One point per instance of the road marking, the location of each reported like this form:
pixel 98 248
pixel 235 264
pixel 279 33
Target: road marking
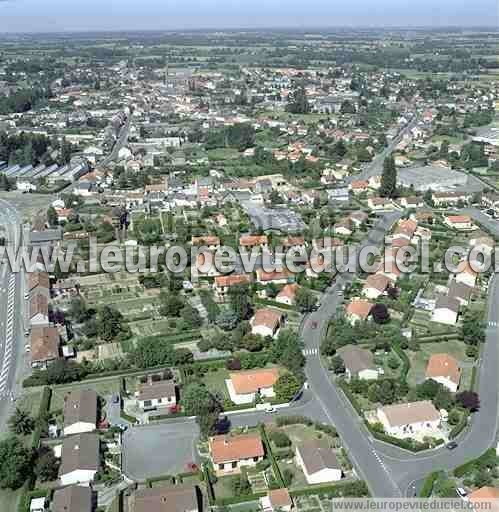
pixel 311 352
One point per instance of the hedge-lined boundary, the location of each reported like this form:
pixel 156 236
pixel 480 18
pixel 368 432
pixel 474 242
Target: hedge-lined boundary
pixel 270 455
pixel 42 412
pixel 164 478
pixel 358 489
pixel 234 500
pixel 463 421
pixel 28 488
pixel 467 466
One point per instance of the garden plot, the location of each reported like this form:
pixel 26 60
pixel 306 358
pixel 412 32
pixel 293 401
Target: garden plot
pixel 258 482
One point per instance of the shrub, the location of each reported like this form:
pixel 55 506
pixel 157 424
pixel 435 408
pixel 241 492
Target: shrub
pixel 280 439
pixel 282 421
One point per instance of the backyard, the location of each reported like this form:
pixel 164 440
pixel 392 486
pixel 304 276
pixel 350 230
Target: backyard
pixel 419 360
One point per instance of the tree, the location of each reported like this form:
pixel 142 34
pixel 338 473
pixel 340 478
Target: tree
pixel 52 218
pixel 298 102
pixel 337 365
pixel 227 320
pixel 469 400
pixel 171 304
pixel 287 351
pixel 5 183
pixel 62 371
pixel 239 300
pixel 388 178
pixel 149 353
pixel 47 465
pixel 380 313
pixel 109 323
pixel 472 329
pixel 393 362
pixel 78 310
pixel 200 402
pixel 191 316
pixel 15 463
pixel 21 423
pixel 305 300
pixel 286 387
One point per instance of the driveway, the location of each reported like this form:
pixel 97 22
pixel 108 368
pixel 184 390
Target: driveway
pixel 162 449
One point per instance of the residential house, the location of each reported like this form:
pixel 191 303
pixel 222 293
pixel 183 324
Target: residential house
pixel 245 386
pixel 359 362
pixel 209 241
pixel 450 198
pixel 172 498
pixel 359 186
pixel 288 294
pixel 277 500
pixel 379 204
pixel 39 310
pixel 376 285
pixel 446 310
pixel 231 452
pixel 223 284
pixel 80 459
pixel 277 276
pixel 318 462
pixel 39 282
pixel 485 498
pixel 459 222
pixel 358 310
pixel 45 342
pixel 409 419
pixel 411 202
pixel 156 394
pixel 358 218
pixel 266 322
pixel 250 241
pixel 445 370
pixel 343 228
pixel 296 243
pixel 74 498
pixel 80 411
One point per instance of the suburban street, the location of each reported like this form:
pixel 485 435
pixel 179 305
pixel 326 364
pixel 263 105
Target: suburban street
pixel 389 470
pixel 375 167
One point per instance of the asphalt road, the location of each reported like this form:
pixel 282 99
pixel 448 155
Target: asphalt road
pixel 154 450
pixel 13 359
pixel 375 167
pixel 388 470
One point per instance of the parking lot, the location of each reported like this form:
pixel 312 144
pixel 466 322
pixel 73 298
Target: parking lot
pixel 159 449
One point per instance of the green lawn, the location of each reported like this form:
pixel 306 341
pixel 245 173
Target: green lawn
pixel 9 500
pixel 215 381
pixel 223 154
pixel 223 487
pixel 103 388
pixel 419 360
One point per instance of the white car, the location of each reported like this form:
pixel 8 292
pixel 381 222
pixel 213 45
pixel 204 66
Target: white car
pixel 462 493
pixel 270 410
pixel 27 348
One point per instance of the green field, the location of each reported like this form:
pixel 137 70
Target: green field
pixel 215 381
pixel 104 387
